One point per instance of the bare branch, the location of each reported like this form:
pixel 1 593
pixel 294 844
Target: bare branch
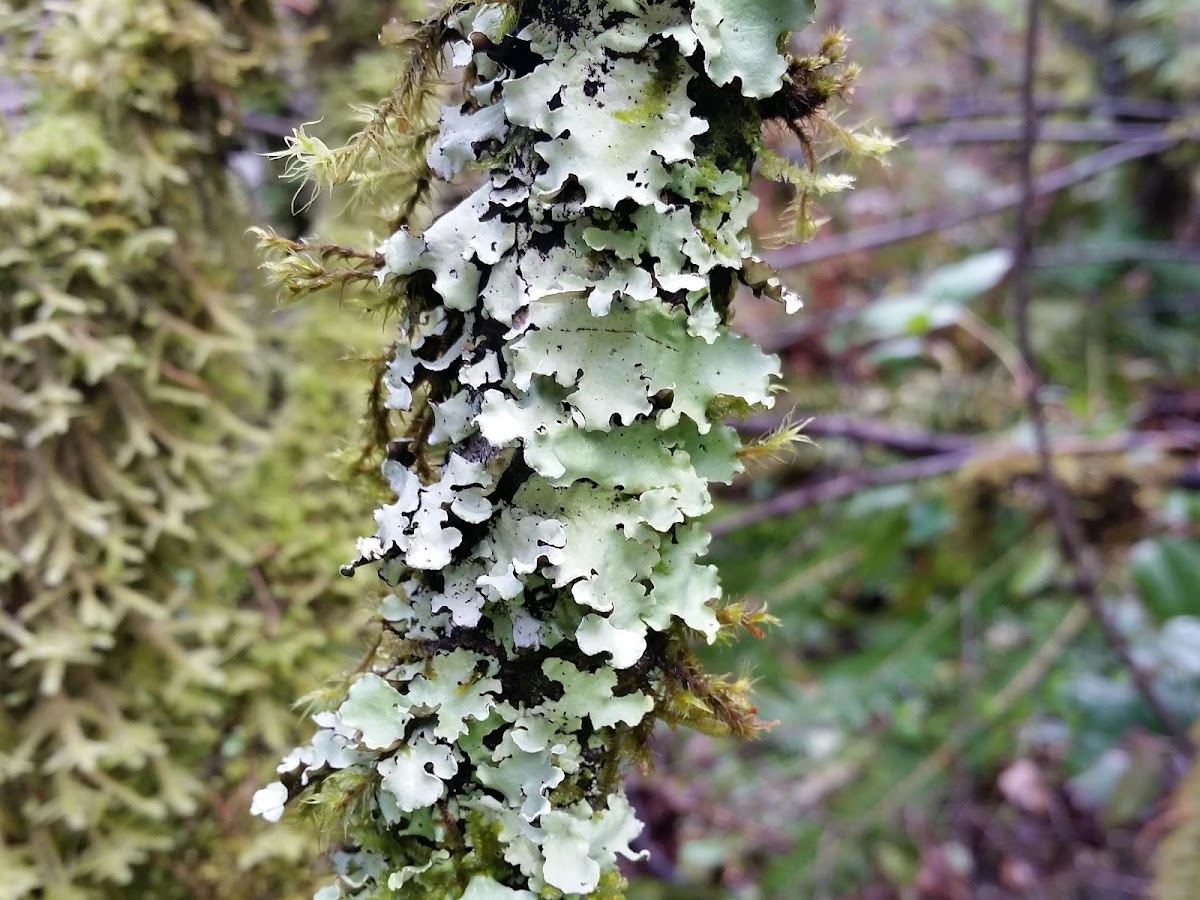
pixel 989 107
pixel 1071 537
pixel 840 486
pixel 1124 251
pixel 994 201
pixel 1002 132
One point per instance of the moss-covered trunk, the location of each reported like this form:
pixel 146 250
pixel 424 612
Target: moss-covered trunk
pixel 152 638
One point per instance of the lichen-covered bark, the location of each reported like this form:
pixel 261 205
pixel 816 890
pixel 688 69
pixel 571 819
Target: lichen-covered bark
pixel 563 373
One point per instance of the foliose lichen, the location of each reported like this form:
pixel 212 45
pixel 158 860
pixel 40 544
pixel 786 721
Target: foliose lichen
pixel 564 367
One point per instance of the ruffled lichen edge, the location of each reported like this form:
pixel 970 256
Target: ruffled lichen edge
pixel 563 373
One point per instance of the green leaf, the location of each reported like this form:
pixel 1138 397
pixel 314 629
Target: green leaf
pixel 969 278
pixel 1179 644
pixel 1166 572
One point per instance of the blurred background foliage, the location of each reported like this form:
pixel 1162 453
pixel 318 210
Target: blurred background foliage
pixel 951 721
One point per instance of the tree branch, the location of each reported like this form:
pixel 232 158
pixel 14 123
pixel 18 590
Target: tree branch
pixel 1124 251
pixel 994 201
pixel 1002 132
pixel 838 487
pixel 1071 537
pixel 985 107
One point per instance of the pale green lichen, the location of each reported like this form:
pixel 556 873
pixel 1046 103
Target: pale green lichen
pixel 564 362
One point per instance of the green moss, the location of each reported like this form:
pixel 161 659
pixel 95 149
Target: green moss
pixel 656 96
pixel 733 138
pixel 487 855
pixel 170 533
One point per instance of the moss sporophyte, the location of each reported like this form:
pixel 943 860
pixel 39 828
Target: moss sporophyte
pixel 557 392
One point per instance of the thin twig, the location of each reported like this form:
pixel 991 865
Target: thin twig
pixel 995 201
pixel 270 125
pixel 837 488
pixel 1071 537
pixel 39 34
pixel 1122 252
pixel 998 343
pixel 840 486
pixel 976 108
pixel 815 325
pixel 1010 132
pixel 970 675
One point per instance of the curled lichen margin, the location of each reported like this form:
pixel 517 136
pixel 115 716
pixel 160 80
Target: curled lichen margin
pixel 564 369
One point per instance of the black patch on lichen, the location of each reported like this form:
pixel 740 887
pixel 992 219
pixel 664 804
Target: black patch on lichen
pixel 722 284
pixel 523 681
pixel 567 17
pixel 514 54
pixel 734 122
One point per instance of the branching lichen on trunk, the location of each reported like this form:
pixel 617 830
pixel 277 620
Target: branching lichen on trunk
pixel 564 368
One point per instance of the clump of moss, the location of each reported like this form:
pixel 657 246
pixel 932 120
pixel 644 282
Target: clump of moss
pixel 169 532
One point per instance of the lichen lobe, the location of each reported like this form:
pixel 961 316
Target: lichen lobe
pixel 565 371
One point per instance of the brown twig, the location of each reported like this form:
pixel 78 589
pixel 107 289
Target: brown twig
pixel 1124 251
pixel 1071 537
pixel 1010 132
pixel 267 601
pixel 995 201
pixel 789 335
pixel 268 124
pixel 840 486
pixel 978 108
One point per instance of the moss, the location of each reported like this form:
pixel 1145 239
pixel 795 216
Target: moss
pixel 487 855
pixel 667 71
pixel 733 138
pixel 170 534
